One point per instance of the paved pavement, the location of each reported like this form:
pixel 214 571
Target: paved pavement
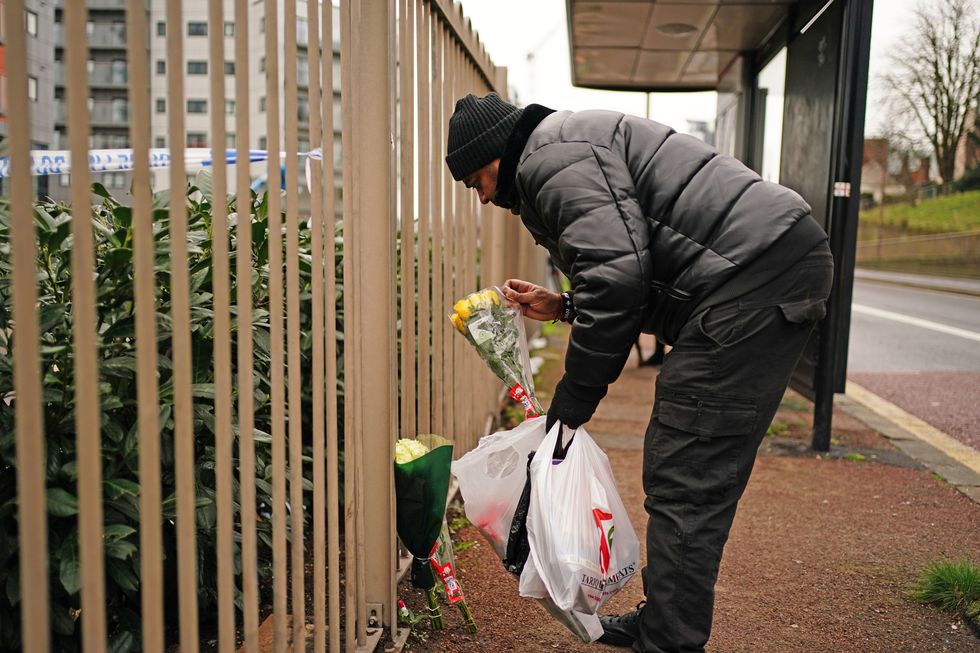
pixel 919 349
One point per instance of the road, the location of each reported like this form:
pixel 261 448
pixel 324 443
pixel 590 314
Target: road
pixel 920 350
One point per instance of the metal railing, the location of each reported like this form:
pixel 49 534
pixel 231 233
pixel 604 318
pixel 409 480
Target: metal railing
pixel 960 246
pixel 314 484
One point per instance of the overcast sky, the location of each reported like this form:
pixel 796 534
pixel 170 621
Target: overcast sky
pixel 530 37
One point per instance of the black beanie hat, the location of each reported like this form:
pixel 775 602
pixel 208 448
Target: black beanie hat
pixel 478 132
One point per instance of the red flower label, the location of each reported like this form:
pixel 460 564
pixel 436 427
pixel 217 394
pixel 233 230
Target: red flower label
pixel 519 394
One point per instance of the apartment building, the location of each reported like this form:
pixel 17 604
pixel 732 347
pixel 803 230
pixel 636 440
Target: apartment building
pixel 41 37
pixel 108 85
pixel 198 105
pixel 108 80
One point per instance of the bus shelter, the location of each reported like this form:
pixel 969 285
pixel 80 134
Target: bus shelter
pixel 726 46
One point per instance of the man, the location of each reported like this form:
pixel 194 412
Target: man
pixel 659 234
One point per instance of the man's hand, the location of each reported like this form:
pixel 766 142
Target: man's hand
pixel 536 302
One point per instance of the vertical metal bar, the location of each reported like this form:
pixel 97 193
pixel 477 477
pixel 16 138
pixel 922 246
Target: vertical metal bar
pixel 406 32
pixel 297 566
pixel 450 288
pixel 453 242
pixel 88 415
pixel 319 333
pixel 424 48
pixel 31 499
pixel 151 541
pixel 348 74
pixel 222 324
pixel 438 213
pixel 180 319
pixel 372 297
pixel 333 467
pixel 467 370
pixel 243 305
pixel 279 562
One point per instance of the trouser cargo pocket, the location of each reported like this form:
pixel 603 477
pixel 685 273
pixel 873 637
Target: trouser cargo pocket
pixel 693 449
pixel 804 311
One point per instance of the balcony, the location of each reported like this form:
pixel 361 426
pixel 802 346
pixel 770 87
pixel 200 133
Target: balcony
pixel 102 114
pixel 100 75
pixel 100 36
pixel 98 5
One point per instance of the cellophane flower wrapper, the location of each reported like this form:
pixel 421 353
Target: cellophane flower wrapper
pixel 494 325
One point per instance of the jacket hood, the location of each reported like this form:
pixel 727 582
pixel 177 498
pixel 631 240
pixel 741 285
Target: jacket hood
pixel 531 116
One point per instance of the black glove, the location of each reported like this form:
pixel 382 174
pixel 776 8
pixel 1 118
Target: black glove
pixel 573 404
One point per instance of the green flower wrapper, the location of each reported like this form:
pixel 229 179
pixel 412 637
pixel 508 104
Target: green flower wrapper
pixel 421 487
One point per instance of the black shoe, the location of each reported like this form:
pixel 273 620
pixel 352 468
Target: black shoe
pixel 622 630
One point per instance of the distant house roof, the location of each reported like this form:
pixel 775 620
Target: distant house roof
pixel 665 46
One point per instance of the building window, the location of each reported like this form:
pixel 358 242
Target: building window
pixel 302 71
pixel 160 141
pixel 161 105
pixel 90 66
pixel 229 67
pixel 161 67
pixel 261 24
pixel 302 31
pixel 197 29
pixel 197 67
pixel 120 109
pixel 229 28
pixel 303 145
pixel 118 29
pixel 197 139
pixel 64 180
pixel 32 88
pixel 303 110
pixel 229 107
pixel 114 179
pixel 161 28
pixel 89 28
pixel 230 140
pixel 118 71
pixel 197 106
pixel 31 23
pixel 262 104
pixel 263 142
pixel 262 65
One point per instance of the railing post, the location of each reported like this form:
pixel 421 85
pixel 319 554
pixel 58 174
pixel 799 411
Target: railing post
pixel 371 245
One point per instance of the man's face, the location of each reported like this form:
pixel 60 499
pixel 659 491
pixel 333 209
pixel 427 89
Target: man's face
pixel 484 181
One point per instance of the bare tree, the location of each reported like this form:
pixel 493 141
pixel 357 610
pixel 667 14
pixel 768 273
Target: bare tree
pixel 934 77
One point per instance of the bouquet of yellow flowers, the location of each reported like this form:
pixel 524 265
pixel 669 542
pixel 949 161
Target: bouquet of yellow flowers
pixel 495 326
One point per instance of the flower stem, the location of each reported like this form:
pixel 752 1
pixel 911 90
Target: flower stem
pixel 435 612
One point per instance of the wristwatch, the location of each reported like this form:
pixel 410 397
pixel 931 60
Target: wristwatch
pixel 567 308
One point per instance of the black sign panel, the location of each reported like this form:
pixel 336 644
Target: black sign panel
pixel 807 161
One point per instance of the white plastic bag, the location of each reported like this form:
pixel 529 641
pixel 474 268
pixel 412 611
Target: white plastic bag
pixel 586 627
pixel 491 479
pixel 582 542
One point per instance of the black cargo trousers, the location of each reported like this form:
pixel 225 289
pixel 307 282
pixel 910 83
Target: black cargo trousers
pixel 716 395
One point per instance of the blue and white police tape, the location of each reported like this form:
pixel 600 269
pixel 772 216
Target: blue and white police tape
pixel 58 162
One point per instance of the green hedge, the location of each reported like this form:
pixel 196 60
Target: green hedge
pixel 113 225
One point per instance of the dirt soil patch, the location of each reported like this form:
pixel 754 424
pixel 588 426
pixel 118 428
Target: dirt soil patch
pixel 820 559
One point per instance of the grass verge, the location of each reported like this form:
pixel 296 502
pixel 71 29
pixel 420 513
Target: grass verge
pixel 956 212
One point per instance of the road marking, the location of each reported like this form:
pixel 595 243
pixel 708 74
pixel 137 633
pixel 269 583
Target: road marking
pixel 916 321
pixel 953 448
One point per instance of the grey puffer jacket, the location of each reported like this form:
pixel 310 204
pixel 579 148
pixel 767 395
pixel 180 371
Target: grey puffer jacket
pixel 646 223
